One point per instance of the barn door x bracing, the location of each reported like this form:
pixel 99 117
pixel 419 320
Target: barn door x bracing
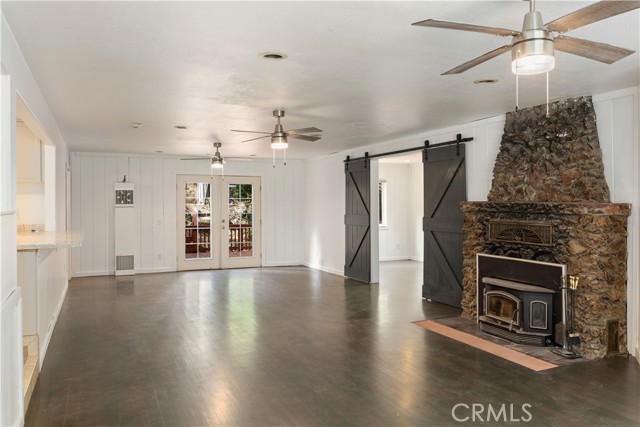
pixel 444 189
pixel 357 220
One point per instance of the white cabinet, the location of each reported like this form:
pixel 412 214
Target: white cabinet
pixel 42 275
pixel 29 156
pixel 11 402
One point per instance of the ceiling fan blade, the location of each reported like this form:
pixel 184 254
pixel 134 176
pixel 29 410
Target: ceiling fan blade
pixel 590 14
pixel 250 131
pixel 593 50
pixel 479 60
pixel 253 139
pixel 197 158
pixel 433 23
pixel 304 130
pixel 240 159
pixel 305 137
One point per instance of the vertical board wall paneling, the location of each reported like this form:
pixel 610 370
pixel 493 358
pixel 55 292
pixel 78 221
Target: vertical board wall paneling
pixel 169 209
pixel 146 214
pixel 75 261
pixel 86 213
pixel 99 218
pixel 134 177
pixel 110 173
pixel 157 210
pixel 155 197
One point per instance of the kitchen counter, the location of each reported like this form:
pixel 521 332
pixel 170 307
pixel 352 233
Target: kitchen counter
pixel 49 240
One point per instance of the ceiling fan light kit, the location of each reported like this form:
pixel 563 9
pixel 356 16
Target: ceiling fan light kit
pixel 532 51
pixel 279 136
pixel 533 48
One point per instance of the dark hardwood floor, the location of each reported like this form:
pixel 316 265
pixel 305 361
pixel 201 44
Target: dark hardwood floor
pixel 294 347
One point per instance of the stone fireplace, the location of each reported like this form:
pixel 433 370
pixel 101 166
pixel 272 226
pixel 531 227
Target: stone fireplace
pixel 549 202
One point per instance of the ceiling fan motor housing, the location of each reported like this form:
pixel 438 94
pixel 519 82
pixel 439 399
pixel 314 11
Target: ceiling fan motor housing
pixel 532 50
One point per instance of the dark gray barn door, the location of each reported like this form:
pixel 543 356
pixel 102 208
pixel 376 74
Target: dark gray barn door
pixel 444 189
pixel 357 220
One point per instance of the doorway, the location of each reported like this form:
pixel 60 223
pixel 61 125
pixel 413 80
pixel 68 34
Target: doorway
pixel 400 210
pixel 218 222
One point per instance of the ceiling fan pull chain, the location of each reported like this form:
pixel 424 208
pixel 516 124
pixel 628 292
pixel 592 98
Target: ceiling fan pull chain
pixel 273 151
pixel 517 87
pixel 547 94
pixel 285 157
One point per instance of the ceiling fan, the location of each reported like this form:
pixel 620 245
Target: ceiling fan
pixel 217 161
pixel 279 136
pixel 532 49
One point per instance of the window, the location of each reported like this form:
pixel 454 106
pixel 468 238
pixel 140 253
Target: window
pixel 382 203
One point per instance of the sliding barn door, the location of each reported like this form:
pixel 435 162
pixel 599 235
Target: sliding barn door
pixel 357 220
pixel 444 189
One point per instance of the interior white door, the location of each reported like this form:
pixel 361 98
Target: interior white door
pixel 218 222
pixel 198 218
pixel 241 243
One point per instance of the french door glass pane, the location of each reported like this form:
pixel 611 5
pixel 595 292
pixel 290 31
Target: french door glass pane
pixel 197 220
pixel 240 220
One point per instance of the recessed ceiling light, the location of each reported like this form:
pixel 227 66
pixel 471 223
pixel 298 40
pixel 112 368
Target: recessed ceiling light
pixel 135 125
pixel 182 127
pixel 273 56
pixel 252 155
pixel 486 81
pixel 159 151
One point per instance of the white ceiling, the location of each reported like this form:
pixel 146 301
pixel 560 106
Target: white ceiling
pixel 357 70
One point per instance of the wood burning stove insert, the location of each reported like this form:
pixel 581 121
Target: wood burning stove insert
pixel 519 299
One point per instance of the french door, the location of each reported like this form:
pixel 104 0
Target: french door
pixel 218 222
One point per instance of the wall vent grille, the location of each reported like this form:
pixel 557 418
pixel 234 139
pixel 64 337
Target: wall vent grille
pixel 613 336
pixel 124 262
pixel 529 233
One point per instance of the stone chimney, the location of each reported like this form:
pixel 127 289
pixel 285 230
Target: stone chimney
pixel 549 172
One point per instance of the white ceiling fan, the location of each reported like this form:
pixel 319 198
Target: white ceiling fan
pixel 532 49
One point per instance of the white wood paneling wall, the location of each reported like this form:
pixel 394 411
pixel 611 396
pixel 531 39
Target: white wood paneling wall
pixel 617 120
pixel 154 177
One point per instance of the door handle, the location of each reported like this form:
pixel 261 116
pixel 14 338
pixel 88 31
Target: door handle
pixel 223 227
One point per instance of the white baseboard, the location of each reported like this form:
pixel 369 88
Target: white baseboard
pixel 282 264
pixel 93 273
pixel 154 270
pixel 394 258
pixel 325 269
pixel 417 259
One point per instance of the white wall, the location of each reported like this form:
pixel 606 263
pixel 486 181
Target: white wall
pixel 617 120
pixel 17 80
pixel 416 236
pixel 394 237
pixel 92 180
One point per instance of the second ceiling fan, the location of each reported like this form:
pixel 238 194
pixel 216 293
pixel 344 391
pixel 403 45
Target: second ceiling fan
pixel 279 136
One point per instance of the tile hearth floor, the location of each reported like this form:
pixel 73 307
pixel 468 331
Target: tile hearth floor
pixel 543 353
pixel 296 347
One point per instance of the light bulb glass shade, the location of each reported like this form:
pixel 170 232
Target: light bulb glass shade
pixel 533 53
pixel 279 142
pixel 533 64
pixel 217 163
